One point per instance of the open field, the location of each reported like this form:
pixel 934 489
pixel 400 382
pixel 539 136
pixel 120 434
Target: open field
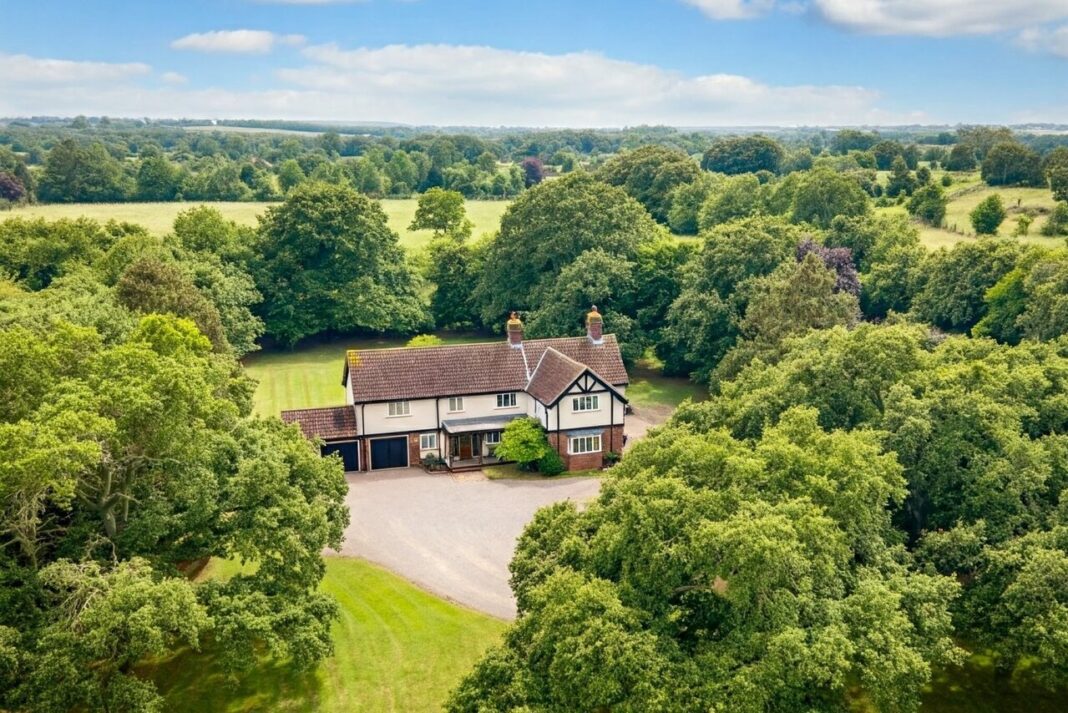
pixel 310 376
pixel 396 648
pixel 159 217
pixel 966 192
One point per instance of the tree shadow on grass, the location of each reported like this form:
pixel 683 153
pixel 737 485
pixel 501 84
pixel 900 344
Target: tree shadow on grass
pixel 196 682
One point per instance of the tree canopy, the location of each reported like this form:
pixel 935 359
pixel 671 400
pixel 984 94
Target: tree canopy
pixel 327 259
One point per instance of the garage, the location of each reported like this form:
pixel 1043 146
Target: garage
pixel 389 453
pixel 349 452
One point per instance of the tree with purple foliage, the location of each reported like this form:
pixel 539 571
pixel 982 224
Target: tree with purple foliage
pixel 11 188
pixel 840 260
pixel 533 171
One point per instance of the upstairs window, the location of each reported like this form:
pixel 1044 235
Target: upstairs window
pixel 586 403
pixel 400 408
pixel 456 403
pixel 506 400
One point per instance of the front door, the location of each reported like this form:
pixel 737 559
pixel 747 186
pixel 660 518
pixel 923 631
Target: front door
pixel 464 447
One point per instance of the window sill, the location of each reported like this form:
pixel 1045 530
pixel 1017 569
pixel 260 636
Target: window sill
pixel 400 415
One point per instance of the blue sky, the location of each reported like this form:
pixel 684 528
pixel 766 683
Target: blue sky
pixel 541 62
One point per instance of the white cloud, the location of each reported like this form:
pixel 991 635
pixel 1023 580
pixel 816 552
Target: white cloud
pixel 174 78
pixel 733 9
pixel 19 68
pixel 940 18
pixel 1052 41
pixel 483 86
pixel 237 41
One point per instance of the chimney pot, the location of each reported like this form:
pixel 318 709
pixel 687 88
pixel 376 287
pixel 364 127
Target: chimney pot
pixel 595 326
pixel 515 330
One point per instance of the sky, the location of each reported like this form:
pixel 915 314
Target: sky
pixel 544 63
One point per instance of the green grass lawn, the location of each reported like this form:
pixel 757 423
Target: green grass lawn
pixel 396 648
pixel 159 217
pixel 310 376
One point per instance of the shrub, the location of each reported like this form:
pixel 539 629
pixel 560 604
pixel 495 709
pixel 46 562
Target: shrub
pixel 988 215
pixel 524 442
pixel 1058 221
pixel 425 340
pixel 611 458
pixel 433 462
pixel 947 180
pixel 551 463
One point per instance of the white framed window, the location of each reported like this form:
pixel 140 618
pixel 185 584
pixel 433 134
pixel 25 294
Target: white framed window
pixel 506 400
pixel 493 438
pixel 586 403
pixel 584 444
pixel 400 408
pixel 456 403
pixel 428 441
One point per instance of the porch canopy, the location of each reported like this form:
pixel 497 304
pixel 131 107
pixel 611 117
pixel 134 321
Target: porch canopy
pixel 475 425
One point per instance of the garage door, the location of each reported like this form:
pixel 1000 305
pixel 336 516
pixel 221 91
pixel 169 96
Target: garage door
pixel 389 453
pixel 349 453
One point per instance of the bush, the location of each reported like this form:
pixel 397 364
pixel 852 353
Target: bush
pixel 524 442
pixel 611 458
pixel 433 462
pixel 425 340
pixel 988 215
pixel 1058 221
pixel 551 463
pixel 947 180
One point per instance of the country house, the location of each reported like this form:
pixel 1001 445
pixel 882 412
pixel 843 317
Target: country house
pixel 453 402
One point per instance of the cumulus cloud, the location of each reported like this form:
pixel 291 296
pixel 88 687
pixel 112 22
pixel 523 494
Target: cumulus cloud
pixel 236 41
pixel 483 86
pixel 20 68
pixel 1053 41
pixel 940 18
pixel 174 78
pixel 733 9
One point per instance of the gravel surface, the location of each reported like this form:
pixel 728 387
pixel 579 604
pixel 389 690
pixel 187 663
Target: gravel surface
pixel 451 535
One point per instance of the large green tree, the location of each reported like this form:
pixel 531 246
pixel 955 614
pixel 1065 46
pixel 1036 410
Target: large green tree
pixel 649 175
pixel 822 195
pixel 326 259
pixel 714 573
pixel 120 464
pixel 744 154
pixel 82 174
pixel 543 232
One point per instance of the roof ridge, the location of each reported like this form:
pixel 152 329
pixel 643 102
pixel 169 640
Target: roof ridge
pixel 531 375
pixel 466 344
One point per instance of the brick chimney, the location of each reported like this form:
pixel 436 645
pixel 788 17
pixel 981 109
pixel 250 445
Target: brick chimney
pixel 515 330
pixel 594 326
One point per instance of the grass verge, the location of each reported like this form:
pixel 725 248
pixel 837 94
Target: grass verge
pixel 396 648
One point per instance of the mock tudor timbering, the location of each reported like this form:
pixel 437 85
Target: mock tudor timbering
pixel 450 403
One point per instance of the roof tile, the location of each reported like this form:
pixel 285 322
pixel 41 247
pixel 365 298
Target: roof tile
pixel 455 370
pixel 325 423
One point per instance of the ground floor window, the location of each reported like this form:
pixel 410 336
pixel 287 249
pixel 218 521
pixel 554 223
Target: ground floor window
pixel 584 444
pixel 493 437
pixel 428 441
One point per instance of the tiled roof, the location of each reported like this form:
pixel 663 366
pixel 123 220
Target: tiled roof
pixel 325 423
pixel 430 372
pixel 553 374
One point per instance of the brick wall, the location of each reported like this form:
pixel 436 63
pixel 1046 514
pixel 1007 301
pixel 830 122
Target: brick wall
pixel 415 456
pixel 611 440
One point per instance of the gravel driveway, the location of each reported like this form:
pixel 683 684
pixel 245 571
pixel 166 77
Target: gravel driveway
pixel 452 535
